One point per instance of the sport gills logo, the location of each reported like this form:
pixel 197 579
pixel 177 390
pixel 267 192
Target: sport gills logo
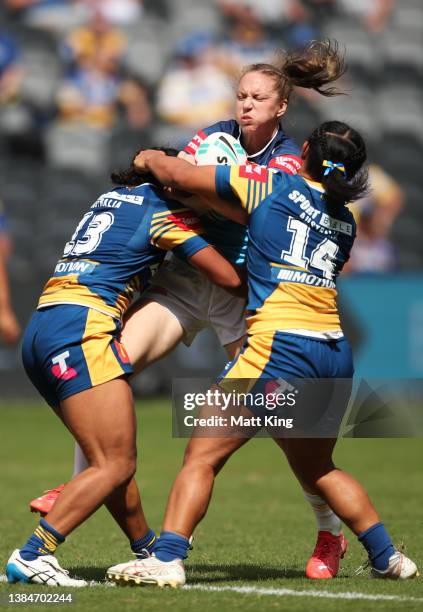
pixel 187 221
pixel 254 172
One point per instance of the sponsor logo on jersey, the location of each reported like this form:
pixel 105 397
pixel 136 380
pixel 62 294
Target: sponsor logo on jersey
pixel 74 267
pixel 336 224
pixel 254 172
pixel 192 146
pixel 113 199
pixel 286 163
pixel 187 221
pixel 310 213
pixel 60 368
pixel 123 355
pixel 302 277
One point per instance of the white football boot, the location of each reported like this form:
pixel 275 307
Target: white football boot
pixel 43 570
pixel 400 568
pixel 115 571
pixel 149 571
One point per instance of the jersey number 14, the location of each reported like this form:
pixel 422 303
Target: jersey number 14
pixel 322 257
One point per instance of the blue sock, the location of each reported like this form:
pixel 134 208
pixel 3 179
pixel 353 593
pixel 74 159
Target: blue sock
pixel 378 545
pixel 43 541
pixel 147 542
pixel 171 546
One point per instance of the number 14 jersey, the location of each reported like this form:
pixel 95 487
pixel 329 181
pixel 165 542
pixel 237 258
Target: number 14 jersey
pixel 298 244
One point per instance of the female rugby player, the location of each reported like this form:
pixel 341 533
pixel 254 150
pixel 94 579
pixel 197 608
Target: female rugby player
pixel 171 311
pixel 296 224
pixel 72 354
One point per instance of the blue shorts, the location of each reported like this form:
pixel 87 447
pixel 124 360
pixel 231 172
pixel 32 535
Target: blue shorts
pixel 319 372
pixel 68 349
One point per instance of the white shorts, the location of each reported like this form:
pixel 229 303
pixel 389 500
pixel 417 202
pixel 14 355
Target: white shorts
pixel 196 302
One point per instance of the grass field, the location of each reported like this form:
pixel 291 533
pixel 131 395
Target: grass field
pixel 250 550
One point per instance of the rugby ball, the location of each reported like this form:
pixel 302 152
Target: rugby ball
pixel 220 149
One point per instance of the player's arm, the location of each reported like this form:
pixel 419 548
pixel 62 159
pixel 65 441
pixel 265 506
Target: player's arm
pixel 9 326
pixel 200 180
pixel 220 271
pixel 179 230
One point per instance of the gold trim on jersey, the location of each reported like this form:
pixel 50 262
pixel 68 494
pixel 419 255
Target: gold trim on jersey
pixel 292 306
pixel 315 185
pixel 67 290
pixel 100 358
pixel 250 364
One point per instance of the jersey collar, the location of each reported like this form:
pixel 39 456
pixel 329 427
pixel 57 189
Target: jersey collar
pixel 315 185
pixel 278 129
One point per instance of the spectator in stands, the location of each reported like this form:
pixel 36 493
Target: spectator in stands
pixel 96 85
pixel 246 42
pixel 18 129
pixel 194 90
pixel 118 12
pixel 375 214
pixel 9 326
pixel 374 15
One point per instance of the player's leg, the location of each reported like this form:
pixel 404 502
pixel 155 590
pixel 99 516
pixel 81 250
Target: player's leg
pixel 80 368
pixel 102 420
pixel 150 332
pixel 331 544
pixel 234 348
pixel 187 504
pixel 311 461
pixel 228 319
pixel 192 489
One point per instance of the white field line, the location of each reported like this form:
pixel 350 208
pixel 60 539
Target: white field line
pixel 246 590
pixel 293 593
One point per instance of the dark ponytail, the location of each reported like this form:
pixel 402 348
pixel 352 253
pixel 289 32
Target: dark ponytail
pixel 335 158
pixel 132 177
pixel 317 65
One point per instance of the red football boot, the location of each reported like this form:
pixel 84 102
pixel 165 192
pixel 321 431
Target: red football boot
pixel 45 503
pixel 329 550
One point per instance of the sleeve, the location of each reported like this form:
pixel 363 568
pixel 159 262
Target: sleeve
pixel 286 157
pixel 178 230
pixel 248 185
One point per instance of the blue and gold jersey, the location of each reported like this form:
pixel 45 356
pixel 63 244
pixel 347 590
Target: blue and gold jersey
pixel 117 245
pixel 280 153
pixel 298 244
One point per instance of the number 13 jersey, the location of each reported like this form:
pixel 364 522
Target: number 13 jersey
pixel 298 244
pixel 116 247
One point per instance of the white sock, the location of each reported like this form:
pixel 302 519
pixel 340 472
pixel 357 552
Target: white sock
pixel 79 462
pixel 325 516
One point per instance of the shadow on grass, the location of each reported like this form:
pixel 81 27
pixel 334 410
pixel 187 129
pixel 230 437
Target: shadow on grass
pixel 247 572
pixel 209 573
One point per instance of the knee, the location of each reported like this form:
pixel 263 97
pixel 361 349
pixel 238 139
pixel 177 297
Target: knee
pixel 121 469
pixel 205 460
pixel 312 474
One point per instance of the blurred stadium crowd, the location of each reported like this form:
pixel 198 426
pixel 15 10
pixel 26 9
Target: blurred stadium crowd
pixel 86 83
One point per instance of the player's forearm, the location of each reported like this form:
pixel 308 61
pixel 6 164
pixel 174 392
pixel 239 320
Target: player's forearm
pixel 220 271
pixel 231 211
